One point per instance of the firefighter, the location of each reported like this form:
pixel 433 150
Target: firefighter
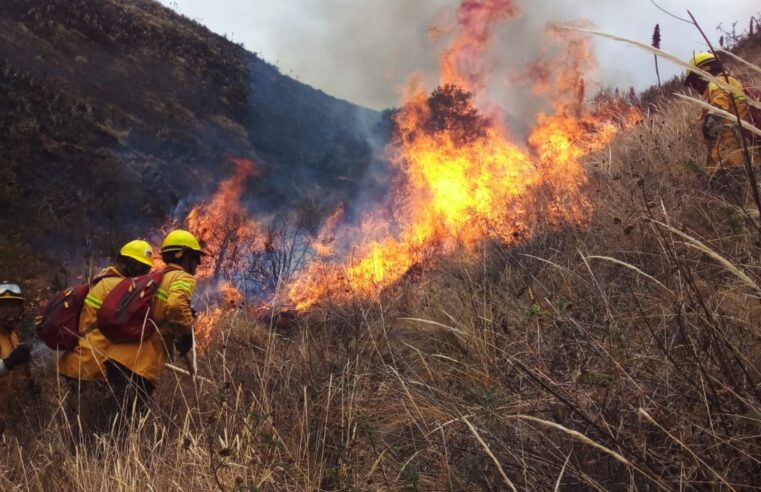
pixel 82 368
pixel 723 137
pixel 14 356
pixel 133 369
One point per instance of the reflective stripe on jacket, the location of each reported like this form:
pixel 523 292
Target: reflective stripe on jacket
pixel 172 314
pixel 85 361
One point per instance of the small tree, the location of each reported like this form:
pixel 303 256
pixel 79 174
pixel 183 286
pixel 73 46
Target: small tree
pixel 453 111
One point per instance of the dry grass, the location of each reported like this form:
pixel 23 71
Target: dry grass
pixel 620 355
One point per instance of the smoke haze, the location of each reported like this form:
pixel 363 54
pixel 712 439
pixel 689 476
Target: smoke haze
pixel 363 50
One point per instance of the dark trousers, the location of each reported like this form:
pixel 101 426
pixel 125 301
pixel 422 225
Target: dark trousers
pixel 86 407
pixel 83 403
pixel 131 393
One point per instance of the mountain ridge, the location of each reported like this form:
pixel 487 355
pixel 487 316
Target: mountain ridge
pixel 135 109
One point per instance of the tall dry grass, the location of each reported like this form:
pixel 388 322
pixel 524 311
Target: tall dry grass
pixel 624 354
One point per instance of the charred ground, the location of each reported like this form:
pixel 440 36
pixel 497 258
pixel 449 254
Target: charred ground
pixel 114 113
pixel 618 354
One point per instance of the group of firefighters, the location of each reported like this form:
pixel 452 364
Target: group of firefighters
pixel 132 370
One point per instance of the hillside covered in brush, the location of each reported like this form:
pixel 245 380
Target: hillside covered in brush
pixel 580 311
pixel 618 354
pixel 114 113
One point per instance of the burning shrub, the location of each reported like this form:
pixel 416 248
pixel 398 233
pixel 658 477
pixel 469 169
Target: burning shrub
pixel 223 225
pixel 452 112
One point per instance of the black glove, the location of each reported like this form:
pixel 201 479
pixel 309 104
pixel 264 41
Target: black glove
pixel 20 355
pixel 710 127
pixel 184 344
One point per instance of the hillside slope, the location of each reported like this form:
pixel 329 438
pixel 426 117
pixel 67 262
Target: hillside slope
pixel 612 355
pixel 114 113
pixel 619 353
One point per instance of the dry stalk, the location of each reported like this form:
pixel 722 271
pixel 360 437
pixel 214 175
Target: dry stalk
pixel 488 451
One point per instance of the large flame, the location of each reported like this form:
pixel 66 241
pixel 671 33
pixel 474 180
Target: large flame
pixel 229 235
pixel 223 225
pixel 462 63
pixel 458 179
pixel 462 179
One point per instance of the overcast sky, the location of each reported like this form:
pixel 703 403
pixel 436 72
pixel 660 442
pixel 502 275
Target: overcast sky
pixel 363 50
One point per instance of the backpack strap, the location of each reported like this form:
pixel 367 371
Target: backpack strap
pixel 92 283
pixel 98 278
pixel 157 276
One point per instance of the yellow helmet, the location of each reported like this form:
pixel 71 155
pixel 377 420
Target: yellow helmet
pixel 179 239
pixel 138 250
pixel 700 60
pixel 10 291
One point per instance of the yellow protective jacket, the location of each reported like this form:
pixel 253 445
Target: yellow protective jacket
pixel 85 361
pixel 726 149
pixel 13 381
pixel 172 314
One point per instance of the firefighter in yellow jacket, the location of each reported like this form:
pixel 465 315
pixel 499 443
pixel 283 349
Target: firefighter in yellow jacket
pixel 723 137
pixel 133 369
pixel 14 356
pixel 83 365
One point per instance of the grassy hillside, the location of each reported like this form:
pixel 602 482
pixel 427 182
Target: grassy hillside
pixel 115 113
pixel 620 355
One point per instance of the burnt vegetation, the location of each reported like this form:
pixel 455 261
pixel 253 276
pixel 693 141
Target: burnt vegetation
pixel 115 114
pixel 452 111
pixel 623 354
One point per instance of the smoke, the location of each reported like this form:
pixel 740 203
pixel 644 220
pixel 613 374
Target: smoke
pixel 363 51
pixel 485 46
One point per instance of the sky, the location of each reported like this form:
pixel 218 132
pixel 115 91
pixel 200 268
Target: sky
pixel 364 51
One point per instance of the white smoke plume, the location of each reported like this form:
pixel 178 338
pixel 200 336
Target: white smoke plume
pixel 363 50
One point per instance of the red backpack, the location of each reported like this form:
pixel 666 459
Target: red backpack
pixel 58 326
pixel 124 316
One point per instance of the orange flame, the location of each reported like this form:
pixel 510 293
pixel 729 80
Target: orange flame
pixel 228 234
pixel 463 180
pixel 323 243
pixel 208 319
pixel 459 179
pixel 462 63
pixel 222 224
pixel 206 323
